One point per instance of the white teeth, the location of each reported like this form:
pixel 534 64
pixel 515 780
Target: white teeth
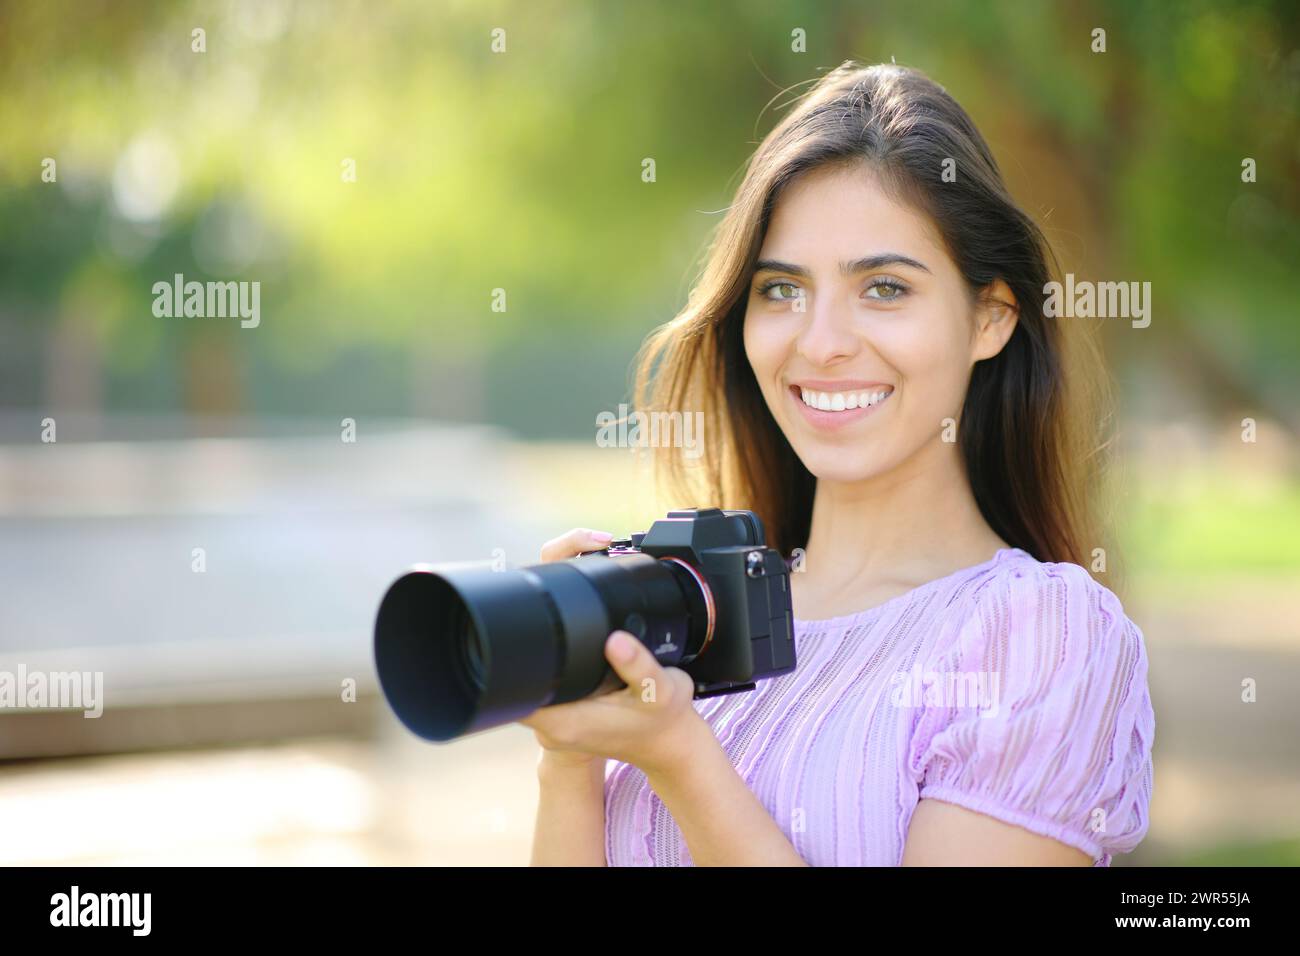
pixel 842 401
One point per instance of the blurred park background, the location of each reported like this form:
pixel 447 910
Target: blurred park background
pixel 380 169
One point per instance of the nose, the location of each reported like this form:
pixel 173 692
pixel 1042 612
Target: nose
pixel 828 334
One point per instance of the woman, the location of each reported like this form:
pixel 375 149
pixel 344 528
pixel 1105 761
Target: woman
pixel 880 384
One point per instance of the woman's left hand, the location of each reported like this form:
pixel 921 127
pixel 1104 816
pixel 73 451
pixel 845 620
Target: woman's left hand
pixel 650 723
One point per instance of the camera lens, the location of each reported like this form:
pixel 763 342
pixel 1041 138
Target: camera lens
pixel 462 648
pixel 470 652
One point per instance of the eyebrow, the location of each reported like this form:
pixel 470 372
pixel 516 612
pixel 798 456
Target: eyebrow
pixel 865 264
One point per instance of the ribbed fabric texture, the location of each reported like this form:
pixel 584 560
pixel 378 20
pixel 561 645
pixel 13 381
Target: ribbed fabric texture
pixel 1015 688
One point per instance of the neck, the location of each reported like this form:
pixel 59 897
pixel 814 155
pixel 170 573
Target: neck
pixel 913 523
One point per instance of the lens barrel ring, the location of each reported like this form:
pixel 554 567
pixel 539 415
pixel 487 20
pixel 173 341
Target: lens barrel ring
pixel 710 608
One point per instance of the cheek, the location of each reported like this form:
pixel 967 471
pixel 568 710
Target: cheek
pixel 932 357
pixel 763 347
pixel 928 350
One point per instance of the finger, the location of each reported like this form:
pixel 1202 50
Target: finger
pixel 632 661
pixel 574 543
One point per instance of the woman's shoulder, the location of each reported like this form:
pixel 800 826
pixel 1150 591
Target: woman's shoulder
pixel 1017 574
pixel 1017 563
pixel 1063 743
pixel 1024 602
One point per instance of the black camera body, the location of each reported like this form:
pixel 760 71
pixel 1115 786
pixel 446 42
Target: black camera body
pixel 464 647
pixel 749 583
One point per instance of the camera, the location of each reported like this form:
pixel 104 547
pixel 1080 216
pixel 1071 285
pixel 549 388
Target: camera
pixel 464 647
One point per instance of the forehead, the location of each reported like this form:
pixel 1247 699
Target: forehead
pixel 834 213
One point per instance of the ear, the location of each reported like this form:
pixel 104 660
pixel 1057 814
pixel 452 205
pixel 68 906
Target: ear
pixel 996 314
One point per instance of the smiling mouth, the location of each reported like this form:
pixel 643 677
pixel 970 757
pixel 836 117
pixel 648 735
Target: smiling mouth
pixel 841 401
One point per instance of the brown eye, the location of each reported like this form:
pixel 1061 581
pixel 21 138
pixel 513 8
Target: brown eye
pixel 886 290
pixel 794 291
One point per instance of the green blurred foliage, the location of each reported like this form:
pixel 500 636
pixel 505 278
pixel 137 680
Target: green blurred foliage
pixel 522 170
pixel 1272 853
pixel 1218 528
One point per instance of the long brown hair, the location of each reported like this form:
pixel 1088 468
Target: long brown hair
pixel 1028 430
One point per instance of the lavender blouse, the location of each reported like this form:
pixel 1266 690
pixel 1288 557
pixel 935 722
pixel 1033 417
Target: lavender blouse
pixel 1014 688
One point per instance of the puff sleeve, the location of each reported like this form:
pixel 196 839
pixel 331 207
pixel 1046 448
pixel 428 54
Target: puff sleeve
pixel 1060 742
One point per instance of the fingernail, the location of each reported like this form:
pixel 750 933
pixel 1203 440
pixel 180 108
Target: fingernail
pixel 621 646
pixel 602 536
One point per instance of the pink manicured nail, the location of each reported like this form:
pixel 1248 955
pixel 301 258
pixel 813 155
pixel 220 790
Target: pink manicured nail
pixel 602 536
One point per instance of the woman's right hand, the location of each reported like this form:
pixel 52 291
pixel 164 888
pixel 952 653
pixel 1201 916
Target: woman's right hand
pixel 566 546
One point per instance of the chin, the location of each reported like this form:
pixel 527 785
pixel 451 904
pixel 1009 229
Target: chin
pixel 826 465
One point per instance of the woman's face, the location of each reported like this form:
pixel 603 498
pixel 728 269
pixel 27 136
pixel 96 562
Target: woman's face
pixel 859 328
